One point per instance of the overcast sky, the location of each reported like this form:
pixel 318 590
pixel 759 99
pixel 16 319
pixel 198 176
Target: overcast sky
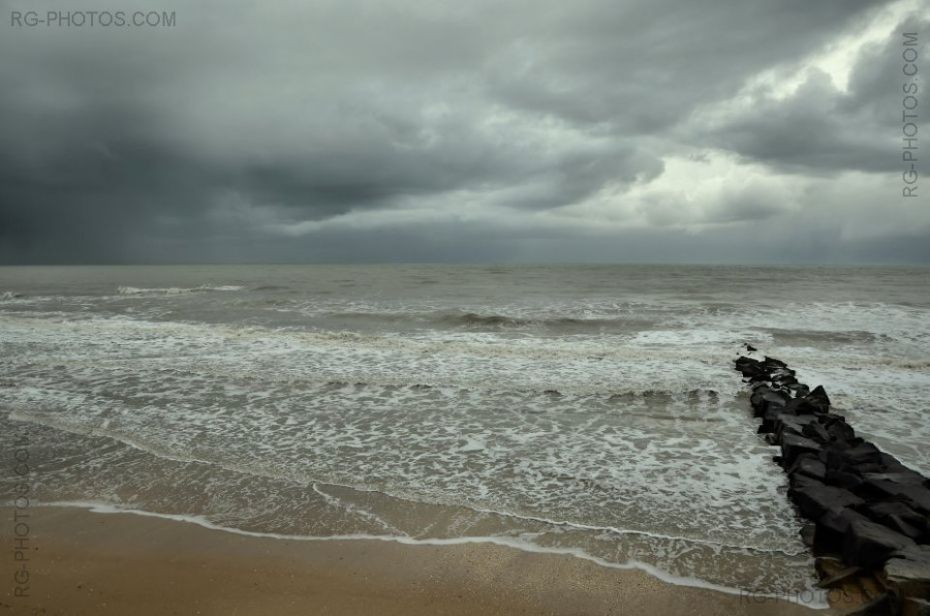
pixel 394 130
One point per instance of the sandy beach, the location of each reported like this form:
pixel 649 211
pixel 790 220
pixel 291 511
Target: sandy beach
pixel 86 563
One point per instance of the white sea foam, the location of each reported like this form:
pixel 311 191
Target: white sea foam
pixel 581 365
pixel 126 290
pixel 607 424
pixel 582 456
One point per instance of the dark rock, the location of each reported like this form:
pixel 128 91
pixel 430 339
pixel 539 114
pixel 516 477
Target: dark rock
pixel 891 463
pixel 771 363
pixel 793 445
pixel 783 376
pixel 841 446
pixel 908 571
pixel 750 368
pixel 838 429
pixel 775 415
pixel 810 465
pixel 769 420
pixel 918 497
pixel 869 468
pixel 880 510
pixel 764 399
pixel 785 424
pixel 787 381
pixel 816 431
pixel 819 398
pixel 843 479
pixel 883 605
pixel 898 516
pixel 803 406
pixel 901 525
pixel 754 373
pixel 808 533
pixel 828 566
pixel 867 505
pixel 839 577
pixel 912 606
pixel 832 527
pixel 751 348
pixel 838 520
pixel 860 453
pixel 799 390
pixel 868 544
pixel 915 495
pixel 755 399
pixel 904 476
pixel 775 398
pixel 919 553
pixel 814 498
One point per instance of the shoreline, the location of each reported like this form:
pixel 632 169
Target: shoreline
pixel 505 542
pixel 88 562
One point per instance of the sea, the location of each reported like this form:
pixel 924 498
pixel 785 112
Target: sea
pixel 584 410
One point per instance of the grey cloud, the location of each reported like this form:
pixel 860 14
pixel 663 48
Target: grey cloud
pixel 191 143
pixel 639 67
pixel 822 130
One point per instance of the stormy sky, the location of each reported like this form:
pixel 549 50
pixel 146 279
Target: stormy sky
pixel 759 131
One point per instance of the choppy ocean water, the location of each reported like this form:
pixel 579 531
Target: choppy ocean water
pixel 592 410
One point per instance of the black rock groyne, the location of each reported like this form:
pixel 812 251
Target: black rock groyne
pixel 869 514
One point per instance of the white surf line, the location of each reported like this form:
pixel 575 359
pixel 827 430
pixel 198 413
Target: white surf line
pixel 812 598
pixel 312 483
pixel 335 501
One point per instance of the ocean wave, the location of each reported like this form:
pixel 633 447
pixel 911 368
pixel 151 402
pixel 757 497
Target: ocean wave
pixel 577 528
pixel 125 290
pixel 491 322
pixel 857 322
pixel 499 321
pixel 10 295
pixel 159 451
pixel 816 336
pixel 579 365
pixel 648 392
pixel 871 361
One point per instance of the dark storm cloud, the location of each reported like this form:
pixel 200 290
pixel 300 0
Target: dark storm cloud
pixel 405 130
pixel 638 67
pixel 821 128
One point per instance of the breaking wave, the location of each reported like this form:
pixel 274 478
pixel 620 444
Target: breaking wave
pixel 175 290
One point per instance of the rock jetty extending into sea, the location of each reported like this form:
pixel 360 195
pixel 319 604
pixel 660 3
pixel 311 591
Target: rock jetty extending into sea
pixel 869 515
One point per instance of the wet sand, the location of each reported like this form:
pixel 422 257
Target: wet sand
pixel 85 563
